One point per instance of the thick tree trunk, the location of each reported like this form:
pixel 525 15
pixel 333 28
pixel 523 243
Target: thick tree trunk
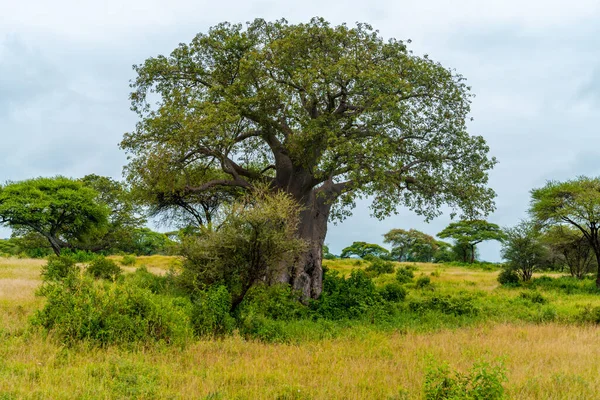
pixel 54 244
pixel 597 253
pixel 307 274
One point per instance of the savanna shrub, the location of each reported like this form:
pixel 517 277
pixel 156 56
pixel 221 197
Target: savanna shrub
pixel 128 260
pixel 277 302
pixel 80 256
pixel 534 297
pixel 346 298
pixel 378 266
pixel 258 327
pixel 112 313
pixel 157 284
pixel 589 314
pixel 210 312
pixel 565 284
pixel 58 268
pixel 257 237
pixel 508 277
pixel 393 292
pixel 103 268
pixel 404 275
pixel 422 282
pixel 483 382
pixel 446 304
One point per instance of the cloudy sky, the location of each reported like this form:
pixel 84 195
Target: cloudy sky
pixel 534 66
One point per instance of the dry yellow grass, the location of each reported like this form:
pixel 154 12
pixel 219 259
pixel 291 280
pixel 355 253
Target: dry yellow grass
pixel 548 361
pixel 544 362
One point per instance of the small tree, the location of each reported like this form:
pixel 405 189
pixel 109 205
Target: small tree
pixel 576 203
pixel 524 250
pixel 411 245
pixel 256 243
pixel 125 216
pixel 573 247
pixel 61 210
pixel 363 249
pixel 444 252
pixel 470 233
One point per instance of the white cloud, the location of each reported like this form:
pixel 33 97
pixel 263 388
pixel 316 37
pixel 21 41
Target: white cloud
pixel 65 64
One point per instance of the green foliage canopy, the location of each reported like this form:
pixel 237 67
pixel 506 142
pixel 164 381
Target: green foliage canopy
pixel 573 247
pixel 304 105
pixel 62 210
pixel 124 218
pixel 364 249
pixel 471 233
pixel 411 245
pixel 256 240
pixel 524 249
pixel 575 202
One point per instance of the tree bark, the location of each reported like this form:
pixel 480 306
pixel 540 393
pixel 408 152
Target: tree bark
pixel 54 244
pixel 307 274
pixel 472 253
pixel 597 252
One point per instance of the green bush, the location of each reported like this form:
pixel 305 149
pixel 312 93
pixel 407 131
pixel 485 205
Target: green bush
pixel 483 382
pixel 277 302
pixel 258 327
pixel 346 298
pixel 589 314
pixel 393 292
pixel 446 304
pixel 155 283
pixel 59 268
pixel 80 256
pixel 508 277
pixel 112 313
pixel 103 268
pixel 378 266
pixel 422 282
pixel 404 275
pixel 128 260
pixel 210 313
pixel 534 297
pixel 565 284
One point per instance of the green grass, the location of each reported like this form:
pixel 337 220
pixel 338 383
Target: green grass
pixel 538 329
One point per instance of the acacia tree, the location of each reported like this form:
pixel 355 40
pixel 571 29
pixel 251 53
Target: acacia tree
pixel 575 249
pixel 364 249
pixel 524 249
pixel 324 113
pixel 124 219
pixel 411 245
pixel 575 202
pixel 469 233
pixel 62 210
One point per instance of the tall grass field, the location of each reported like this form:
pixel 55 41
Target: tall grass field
pixel 543 336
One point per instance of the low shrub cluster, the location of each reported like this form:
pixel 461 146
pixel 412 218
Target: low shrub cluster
pixel 458 304
pixel 79 308
pixel 59 268
pixel 534 297
pixel 128 260
pixel 566 284
pixel 484 265
pixel 509 277
pixel 482 382
pixel 404 275
pixel 378 266
pixel 103 268
pixel 346 298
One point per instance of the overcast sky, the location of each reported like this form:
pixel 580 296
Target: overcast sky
pixel 533 65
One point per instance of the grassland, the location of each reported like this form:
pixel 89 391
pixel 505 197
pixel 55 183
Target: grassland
pixel 547 352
